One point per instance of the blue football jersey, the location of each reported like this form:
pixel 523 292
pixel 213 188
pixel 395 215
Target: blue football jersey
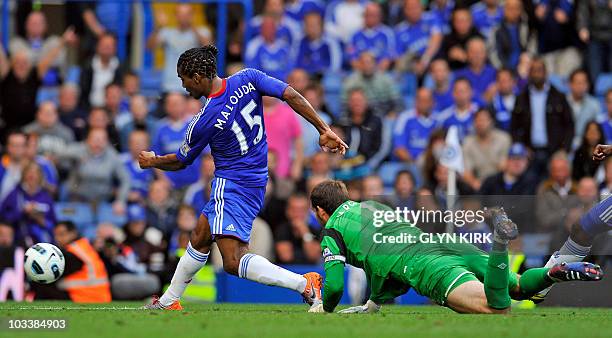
pixel 414 38
pixel 484 21
pixel 231 122
pixel 275 59
pixel 480 82
pixel 412 132
pixel 450 117
pixel 379 41
pixel 319 56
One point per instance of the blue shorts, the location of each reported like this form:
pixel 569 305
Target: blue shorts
pixel 232 208
pixel 599 218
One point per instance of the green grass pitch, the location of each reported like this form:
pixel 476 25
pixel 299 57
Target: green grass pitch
pixel 123 319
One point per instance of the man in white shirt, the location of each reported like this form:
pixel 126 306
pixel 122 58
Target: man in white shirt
pixel 175 41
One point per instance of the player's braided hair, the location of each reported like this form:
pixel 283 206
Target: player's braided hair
pixel 201 60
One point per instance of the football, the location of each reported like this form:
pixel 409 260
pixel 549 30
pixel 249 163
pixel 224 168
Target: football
pixel 44 263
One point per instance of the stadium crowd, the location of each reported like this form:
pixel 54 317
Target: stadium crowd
pixel 527 83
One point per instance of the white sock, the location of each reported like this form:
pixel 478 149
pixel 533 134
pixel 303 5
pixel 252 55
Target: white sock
pixel 191 262
pixel 257 268
pixel 570 252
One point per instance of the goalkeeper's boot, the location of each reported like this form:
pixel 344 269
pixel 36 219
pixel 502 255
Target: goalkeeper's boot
pixel 577 271
pixel 157 305
pixel 503 226
pixel 314 284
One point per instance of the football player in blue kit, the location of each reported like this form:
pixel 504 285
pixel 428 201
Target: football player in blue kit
pixel 596 221
pixel 231 123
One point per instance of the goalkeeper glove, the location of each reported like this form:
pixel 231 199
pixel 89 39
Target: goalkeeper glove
pixel 316 307
pixel 368 307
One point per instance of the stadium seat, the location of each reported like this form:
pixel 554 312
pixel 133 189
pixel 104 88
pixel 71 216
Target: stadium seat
pixel 559 82
pixel 150 82
pixel 105 214
pixel 80 214
pixel 603 83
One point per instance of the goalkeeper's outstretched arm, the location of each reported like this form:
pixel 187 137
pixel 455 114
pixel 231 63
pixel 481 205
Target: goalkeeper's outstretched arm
pixel 334 285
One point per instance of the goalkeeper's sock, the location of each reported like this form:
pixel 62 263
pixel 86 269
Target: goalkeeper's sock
pixel 570 252
pixel 496 277
pixel 259 269
pixel 533 281
pixel 189 264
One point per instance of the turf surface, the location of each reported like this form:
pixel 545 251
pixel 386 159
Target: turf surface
pixel 123 319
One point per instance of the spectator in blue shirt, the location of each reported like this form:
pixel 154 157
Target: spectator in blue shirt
pixel 418 38
pixel 480 74
pixel 442 84
pixel 413 128
pixel 374 37
pixel 170 135
pixel 29 207
pixel 318 53
pixel 512 37
pixel 487 15
pixel 268 53
pixel 287 28
pixel 461 113
pixel 502 103
pixel 140 179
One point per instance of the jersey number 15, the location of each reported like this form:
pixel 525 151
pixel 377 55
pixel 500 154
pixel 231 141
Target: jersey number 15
pixel 252 121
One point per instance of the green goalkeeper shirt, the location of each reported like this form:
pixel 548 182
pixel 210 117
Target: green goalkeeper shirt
pixel 351 235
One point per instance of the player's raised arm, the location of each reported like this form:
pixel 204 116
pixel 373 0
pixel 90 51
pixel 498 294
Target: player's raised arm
pixel 328 140
pixel 602 151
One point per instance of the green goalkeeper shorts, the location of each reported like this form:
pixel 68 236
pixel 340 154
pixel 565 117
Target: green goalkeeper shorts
pixel 435 275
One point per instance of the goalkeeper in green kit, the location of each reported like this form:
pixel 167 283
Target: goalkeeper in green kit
pixel 456 275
